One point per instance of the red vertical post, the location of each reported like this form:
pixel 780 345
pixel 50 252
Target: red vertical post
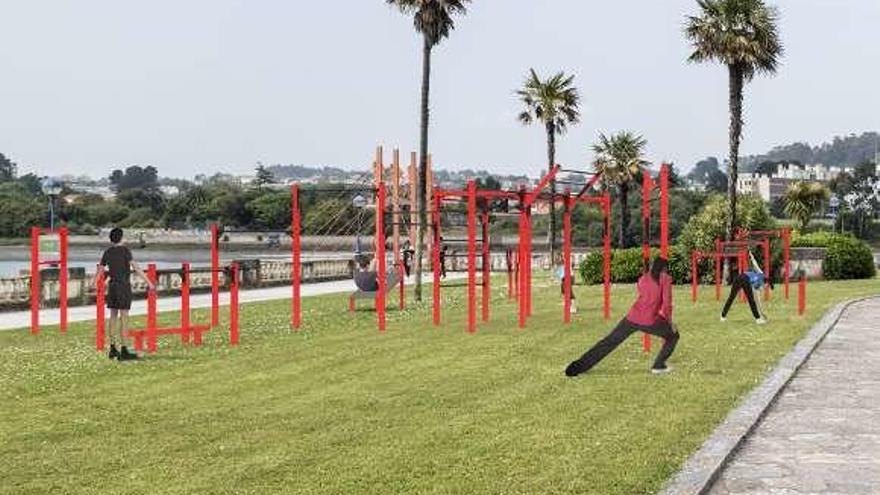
pixel 472 256
pixel 606 256
pixel 719 258
pixel 664 211
pixel 435 252
pixel 768 272
pixel 487 264
pixel 233 304
pixel 296 255
pixel 151 309
pixel 185 327
pixel 566 257
pixel 62 278
pixel 380 255
pixel 786 245
pixel 35 280
pixel 695 256
pixel 100 326
pixel 521 279
pixel 802 294
pixel 215 275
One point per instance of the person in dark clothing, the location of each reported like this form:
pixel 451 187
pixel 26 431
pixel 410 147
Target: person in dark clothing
pixel 119 263
pixel 651 313
pixel 365 278
pixel 443 249
pixel 408 253
pixel 748 282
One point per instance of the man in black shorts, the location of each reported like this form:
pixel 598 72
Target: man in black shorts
pixel 118 260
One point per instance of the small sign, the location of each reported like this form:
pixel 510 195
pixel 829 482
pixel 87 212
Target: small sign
pixel 50 247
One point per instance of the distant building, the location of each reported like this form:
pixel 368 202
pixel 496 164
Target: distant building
pixel 771 187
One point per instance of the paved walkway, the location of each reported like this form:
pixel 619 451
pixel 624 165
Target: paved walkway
pixel 22 319
pixel 823 433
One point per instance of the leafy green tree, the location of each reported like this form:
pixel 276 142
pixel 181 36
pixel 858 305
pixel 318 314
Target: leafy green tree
pixel 270 210
pixel 105 214
pixel 742 35
pixel 263 176
pixel 620 158
pixel 135 177
pixel 803 200
pixel 21 210
pixel 433 19
pixel 142 198
pixel 8 169
pixel 553 103
pixel 709 224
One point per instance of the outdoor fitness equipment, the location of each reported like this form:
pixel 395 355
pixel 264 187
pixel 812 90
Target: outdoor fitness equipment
pixel 187 329
pixel 48 248
pixel 648 186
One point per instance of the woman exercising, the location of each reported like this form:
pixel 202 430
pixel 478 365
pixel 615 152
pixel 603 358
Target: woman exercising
pixel 651 313
pixel 749 282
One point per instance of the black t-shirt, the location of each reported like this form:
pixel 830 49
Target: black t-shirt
pixel 117 259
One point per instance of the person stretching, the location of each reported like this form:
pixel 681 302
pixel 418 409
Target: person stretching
pixel 119 262
pixel 651 313
pixel 749 282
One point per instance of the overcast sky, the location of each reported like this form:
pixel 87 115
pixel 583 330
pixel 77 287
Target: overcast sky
pixel 216 85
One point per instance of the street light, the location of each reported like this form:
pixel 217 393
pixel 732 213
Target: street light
pixel 359 203
pixel 51 187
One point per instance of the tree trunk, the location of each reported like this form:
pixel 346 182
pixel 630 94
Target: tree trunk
pixel 551 162
pixel 423 168
pixel 736 98
pixel 623 231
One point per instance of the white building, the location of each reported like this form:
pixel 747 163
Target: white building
pixel 773 186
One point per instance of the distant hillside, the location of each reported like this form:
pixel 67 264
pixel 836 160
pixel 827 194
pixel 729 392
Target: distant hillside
pixel 326 174
pixel 846 151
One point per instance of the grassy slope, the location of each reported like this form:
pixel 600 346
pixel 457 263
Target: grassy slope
pixel 338 408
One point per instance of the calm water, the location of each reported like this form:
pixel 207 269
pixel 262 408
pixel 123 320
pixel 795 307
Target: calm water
pixel 13 259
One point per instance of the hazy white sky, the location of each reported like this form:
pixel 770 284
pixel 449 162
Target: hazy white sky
pixel 216 85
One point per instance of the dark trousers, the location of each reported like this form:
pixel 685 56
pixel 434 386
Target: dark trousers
pixel 660 328
pixel 741 282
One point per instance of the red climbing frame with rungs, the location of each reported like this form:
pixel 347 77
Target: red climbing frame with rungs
pixel 648 185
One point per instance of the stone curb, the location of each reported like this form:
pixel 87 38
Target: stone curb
pixel 701 470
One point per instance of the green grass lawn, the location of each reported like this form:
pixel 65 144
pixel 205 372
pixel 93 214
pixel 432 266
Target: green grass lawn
pixel 339 408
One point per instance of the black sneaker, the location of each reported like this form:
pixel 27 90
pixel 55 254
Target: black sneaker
pixel 127 356
pixel 113 354
pixel 574 369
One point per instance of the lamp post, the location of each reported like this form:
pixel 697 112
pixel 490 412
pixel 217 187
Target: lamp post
pixel 359 203
pixel 51 187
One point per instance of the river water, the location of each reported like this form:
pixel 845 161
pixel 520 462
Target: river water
pixel 14 259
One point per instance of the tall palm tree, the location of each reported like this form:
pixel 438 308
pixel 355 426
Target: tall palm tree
pixel 803 200
pixel 619 159
pixel 552 102
pixel 744 36
pixel 433 20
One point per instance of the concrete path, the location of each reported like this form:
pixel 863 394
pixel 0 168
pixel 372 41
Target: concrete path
pixel 823 433
pixel 22 319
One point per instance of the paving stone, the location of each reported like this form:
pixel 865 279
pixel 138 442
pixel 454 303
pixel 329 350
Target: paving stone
pixel 822 435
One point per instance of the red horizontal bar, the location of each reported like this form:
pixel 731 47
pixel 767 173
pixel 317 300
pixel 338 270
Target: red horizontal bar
pixel 168 331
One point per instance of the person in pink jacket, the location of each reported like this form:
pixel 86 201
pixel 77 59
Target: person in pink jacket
pixel 651 313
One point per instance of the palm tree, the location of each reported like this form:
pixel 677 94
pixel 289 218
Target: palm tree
pixel 744 36
pixel 803 200
pixel 433 20
pixel 619 159
pixel 554 103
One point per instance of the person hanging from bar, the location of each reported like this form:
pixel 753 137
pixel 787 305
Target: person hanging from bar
pixel 366 277
pixel 407 257
pixel 749 282
pixel 560 274
pixel 443 249
pixel 651 313
pixel 120 263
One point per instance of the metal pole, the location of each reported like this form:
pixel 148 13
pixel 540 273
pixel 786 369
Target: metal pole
pixel 380 255
pixel 62 278
pixel 35 280
pixel 215 275
pixel 472 256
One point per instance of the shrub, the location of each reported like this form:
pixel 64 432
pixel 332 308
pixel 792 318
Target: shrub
pixel 846 257
pixel 627 265
pixel 710 223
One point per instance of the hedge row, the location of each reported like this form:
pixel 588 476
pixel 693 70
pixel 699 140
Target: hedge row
pixel 846 258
